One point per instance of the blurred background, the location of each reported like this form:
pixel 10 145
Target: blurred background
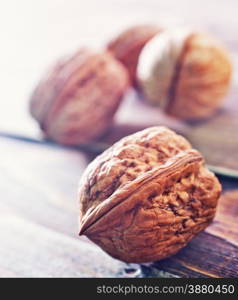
pixel 36 33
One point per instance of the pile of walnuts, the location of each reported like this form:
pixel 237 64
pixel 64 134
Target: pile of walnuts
pixel 184 72
pixel 148 195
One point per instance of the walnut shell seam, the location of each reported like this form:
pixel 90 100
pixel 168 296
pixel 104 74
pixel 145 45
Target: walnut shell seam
pixel 174 164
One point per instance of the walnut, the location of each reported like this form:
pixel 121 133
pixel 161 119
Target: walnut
pixel 128 45
pixel 147 196
pixel 186 73
pixel 76 100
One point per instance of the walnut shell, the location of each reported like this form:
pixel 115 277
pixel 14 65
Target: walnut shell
pixel 76 100
pixel 128 45
pixel 147 196
pixel 186 73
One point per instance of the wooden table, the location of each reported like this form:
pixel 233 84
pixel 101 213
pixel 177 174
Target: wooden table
pixel 38 223
pixel 38 181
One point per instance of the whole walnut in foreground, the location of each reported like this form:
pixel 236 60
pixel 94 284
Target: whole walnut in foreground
pixel 128 45
pixel 76 101
pixel 147 196
pixel 186 73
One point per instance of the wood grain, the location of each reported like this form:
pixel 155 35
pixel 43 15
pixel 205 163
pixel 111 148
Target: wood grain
pixel 205 256
pixel 38 224
pixel 225 224
pixel 30 250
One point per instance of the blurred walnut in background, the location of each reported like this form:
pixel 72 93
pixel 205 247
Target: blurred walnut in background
pixel 76 100
pixel 128 45
pixel 186 73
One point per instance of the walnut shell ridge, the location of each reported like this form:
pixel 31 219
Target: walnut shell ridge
pixel 76 100
pixel 186 73
pixel 126 47
pixel 147 196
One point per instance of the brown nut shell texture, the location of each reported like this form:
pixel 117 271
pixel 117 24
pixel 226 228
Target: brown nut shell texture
pixel 127 46
pixel 76 100
pixel 186 73
pixel 147 196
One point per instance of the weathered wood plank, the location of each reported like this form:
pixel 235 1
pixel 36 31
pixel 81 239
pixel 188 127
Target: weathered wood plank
pixel 30 250
pixel 205 256
pixel 39 185
pixel 225 224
